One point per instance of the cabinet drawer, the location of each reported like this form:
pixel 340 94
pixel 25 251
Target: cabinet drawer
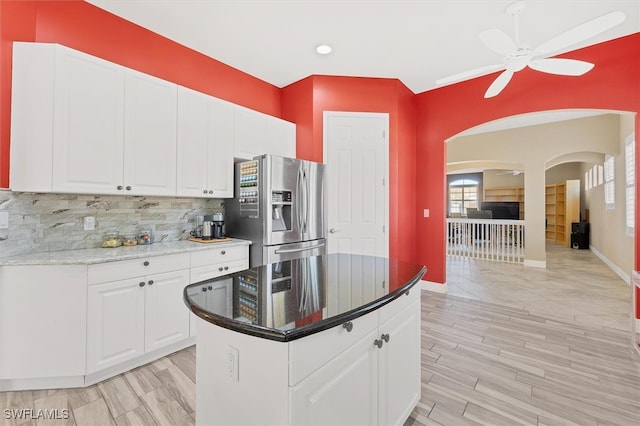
pixel 309 353
pixel 219 255
pixel 123 269
pixel 389 310
pixel 204 273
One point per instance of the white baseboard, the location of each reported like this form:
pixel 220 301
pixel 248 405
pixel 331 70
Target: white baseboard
pixel 431 286
pixel 41 383
pixel 536 263
pixel 623 275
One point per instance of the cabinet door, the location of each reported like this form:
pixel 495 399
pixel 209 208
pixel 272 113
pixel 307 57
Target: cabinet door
pixel 115 324
pixel 344 391
pixel 249 133
pixel 399 366
pixel 281 137
pixel 88 124
pixel 221 143
pixel 149 135
pixel 192 175
pixel 166 316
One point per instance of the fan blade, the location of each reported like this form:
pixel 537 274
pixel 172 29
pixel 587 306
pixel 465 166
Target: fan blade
pixel 581 32
pixel 561 66
pixel 470 74
pixel 498 41
pixel 498 84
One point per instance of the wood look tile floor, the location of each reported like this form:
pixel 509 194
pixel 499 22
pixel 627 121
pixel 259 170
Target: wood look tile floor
pixel 508 345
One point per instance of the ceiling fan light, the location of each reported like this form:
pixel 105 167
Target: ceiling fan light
pixel 323 49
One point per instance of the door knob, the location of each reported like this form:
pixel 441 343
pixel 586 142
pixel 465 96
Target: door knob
pixel 333 230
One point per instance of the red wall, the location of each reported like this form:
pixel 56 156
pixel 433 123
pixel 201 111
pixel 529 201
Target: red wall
pixel 304 103
pixel 82 26
pixel 614 84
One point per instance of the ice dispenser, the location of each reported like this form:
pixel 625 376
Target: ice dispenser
pixel 281 210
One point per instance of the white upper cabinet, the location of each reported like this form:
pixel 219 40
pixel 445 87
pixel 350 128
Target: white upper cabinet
pixel 84 125
pixel 250 133
pixel 205 145
pixel 281 137
pixel 88 118
pixel 150 110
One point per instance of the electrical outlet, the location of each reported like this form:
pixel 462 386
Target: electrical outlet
pixel 89 223
pixel 233 363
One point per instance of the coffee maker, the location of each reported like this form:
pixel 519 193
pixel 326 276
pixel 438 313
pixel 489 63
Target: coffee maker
pixel 218 226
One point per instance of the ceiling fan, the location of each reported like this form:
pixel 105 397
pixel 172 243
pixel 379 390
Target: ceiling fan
pixel 510 172
pixel 517 56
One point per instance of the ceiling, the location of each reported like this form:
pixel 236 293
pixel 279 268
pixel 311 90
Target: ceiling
pixel 416 41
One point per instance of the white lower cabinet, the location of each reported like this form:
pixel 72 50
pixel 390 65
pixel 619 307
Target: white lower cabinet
pixel 375 381
pixel 344 392
pixel 364 372
pixel 131 317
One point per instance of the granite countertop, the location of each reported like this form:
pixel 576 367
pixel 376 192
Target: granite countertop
pixel 101 255
pixel 288 300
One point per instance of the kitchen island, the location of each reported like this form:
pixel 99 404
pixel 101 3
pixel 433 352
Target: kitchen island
pixel 331 339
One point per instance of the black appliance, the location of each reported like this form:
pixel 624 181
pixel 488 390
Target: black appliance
pixel 580 235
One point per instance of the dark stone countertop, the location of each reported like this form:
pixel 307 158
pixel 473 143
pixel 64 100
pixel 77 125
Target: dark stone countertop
pixel 291 299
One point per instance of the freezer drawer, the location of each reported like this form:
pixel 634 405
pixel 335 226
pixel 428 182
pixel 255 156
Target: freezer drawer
pixel 272 254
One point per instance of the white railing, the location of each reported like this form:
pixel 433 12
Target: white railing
pixel 489 239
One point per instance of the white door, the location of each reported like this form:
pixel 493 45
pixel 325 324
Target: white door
pixel 88 124
pixel 343 392
pixel 356 155
pixel 115 324
pixel 192 143
pixel 166 316
pixel 149 135
pixel 220 144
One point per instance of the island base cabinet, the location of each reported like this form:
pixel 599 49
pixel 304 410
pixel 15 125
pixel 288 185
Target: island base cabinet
pixel 240 379
pixel 343 392
pixel 399 380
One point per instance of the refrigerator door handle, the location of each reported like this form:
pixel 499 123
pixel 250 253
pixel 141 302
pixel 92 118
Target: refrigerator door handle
pixel 293 250
pixel 298 200
pixel 306 190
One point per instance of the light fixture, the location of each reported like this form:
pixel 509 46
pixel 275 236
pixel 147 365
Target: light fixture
pixel 324 49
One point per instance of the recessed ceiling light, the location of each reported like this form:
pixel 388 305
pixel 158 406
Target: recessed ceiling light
pixel 323 49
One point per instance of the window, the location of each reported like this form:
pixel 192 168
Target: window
pixel 609 182
pixel 630 180
pixel 463 194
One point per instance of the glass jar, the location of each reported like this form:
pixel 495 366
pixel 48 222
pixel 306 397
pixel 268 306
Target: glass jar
pixel 145 237
pixel 111 240
pixel 129 240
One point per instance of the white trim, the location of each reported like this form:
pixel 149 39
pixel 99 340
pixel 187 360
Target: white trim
pixel 384 115
pixel 615 268
pixel 10 385
pixel 535 263
pixel 431 286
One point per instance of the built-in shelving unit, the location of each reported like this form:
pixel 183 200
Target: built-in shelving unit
pixel 562 207
pixel 506 193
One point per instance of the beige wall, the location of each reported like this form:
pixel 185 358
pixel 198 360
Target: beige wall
pixel 500 178
pixel 608 227
pixel 535 149
pixel 563 172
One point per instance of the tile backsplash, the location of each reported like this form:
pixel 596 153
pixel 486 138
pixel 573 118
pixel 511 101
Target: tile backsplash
pixel 53 222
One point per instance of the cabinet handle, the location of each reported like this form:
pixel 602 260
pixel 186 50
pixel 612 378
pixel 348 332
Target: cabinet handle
pixel 226 268
pixel 128 188
pixel 378 343
pixel 141 284
pixel 210 288
pixel 210 191
pixel 204 288
pixel 204 192
pixel 146 263
pixel 348 326
pixel 119 187
pixel 151 283
pixel 407 293
pixel 385 337
pixel 223 252
pixel 220 269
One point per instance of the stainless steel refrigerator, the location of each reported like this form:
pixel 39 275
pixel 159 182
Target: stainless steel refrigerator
pixel 279 205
